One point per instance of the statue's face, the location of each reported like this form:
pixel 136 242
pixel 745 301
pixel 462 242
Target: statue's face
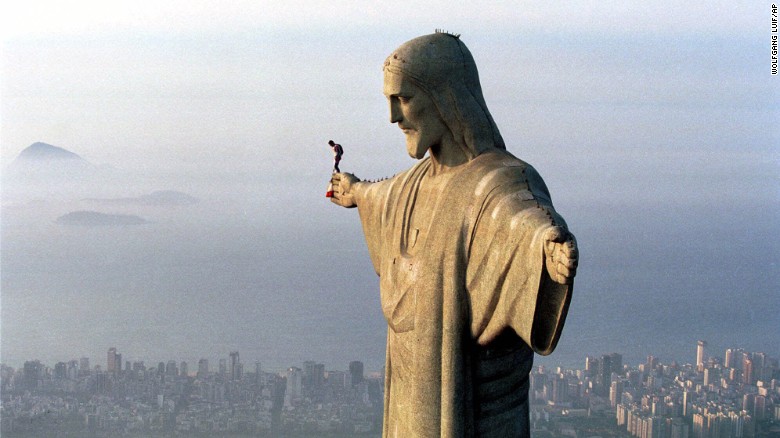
pixel 415 113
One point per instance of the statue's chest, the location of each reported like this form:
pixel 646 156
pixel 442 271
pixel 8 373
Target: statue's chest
pixel 411 265
pixel 403 281
pixel 415 264
pixel 423 244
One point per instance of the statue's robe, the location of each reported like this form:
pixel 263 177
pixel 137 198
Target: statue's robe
pixel 466 310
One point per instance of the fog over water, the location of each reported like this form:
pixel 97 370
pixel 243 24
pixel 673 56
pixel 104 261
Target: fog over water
pixel 660 148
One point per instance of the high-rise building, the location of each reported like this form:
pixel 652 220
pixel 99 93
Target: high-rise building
pixel 259 377
pixel 318 376
pixel 711 376
pixel 728 361
pixel 73 370
pixel 700 426
pixel 616 363
pixel 747 372
pixel 356 372
pixel 591 365
pixel 60 371
pixel 308 370
pixel 84 365
pixel 759 408
pixel 294 386
pixel 101 382
pixel 604 376
pixel 652 363
pixel 235 361
pixel 560 389
pixel 112 359
pixel 223 368
pixel 737 424
pixel 621 414
pixel 700 345
pixel 183 371
pixel 615 393
pixel 678 428
pixel 171 368
pixel 654 427
pixel 634 378
pixel 33 371
pixel 313 374
pixel 203 368
pixel 759 362
pixel 537 383
pixel 735 361
pixel 336 379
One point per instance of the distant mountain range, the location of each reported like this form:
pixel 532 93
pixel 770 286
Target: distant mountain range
pixel 40 151
pixel 46 173
pixel 45 157
pixel 42 163
pixel 96 219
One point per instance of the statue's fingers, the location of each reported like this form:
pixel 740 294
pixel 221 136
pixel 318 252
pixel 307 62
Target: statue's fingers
pixel 559 278
pixel 570 254
pixel 549 248
pixel 570 263
pixel 555 234
pixel 564 270
pixel 571 248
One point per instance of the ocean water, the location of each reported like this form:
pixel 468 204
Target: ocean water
pixel 186 288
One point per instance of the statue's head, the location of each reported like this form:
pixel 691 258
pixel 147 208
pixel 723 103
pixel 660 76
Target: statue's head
pixel 442 67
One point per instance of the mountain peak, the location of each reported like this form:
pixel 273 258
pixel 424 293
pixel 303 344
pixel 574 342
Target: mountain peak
pixel 44 151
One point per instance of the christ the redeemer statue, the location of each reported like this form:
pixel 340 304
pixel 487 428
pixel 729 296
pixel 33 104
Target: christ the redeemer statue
pixel 476 268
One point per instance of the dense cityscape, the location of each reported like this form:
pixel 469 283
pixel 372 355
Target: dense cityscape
pixel 737 395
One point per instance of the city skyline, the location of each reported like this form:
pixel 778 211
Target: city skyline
pixel 733 393
pixel 214 358
pixel 701 354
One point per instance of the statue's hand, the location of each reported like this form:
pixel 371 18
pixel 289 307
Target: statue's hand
pixel 561 255
pixel 342 189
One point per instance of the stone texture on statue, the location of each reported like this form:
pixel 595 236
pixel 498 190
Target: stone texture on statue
pixel 476 267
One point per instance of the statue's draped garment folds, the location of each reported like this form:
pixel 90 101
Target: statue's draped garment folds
pixel 468 302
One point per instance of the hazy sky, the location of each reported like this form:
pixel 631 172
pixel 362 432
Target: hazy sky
pixel 655 127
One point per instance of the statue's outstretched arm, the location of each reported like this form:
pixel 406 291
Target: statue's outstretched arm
pixel 347 189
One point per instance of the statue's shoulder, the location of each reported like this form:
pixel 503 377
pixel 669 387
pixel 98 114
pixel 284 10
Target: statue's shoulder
pixel 501 168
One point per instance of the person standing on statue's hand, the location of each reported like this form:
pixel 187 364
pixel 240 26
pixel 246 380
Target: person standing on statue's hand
pixel 338 151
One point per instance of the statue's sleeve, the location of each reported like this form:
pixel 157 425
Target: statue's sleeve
pixel 506 278
pixel 373 206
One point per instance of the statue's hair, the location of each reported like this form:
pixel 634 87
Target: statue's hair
pixel 442 66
